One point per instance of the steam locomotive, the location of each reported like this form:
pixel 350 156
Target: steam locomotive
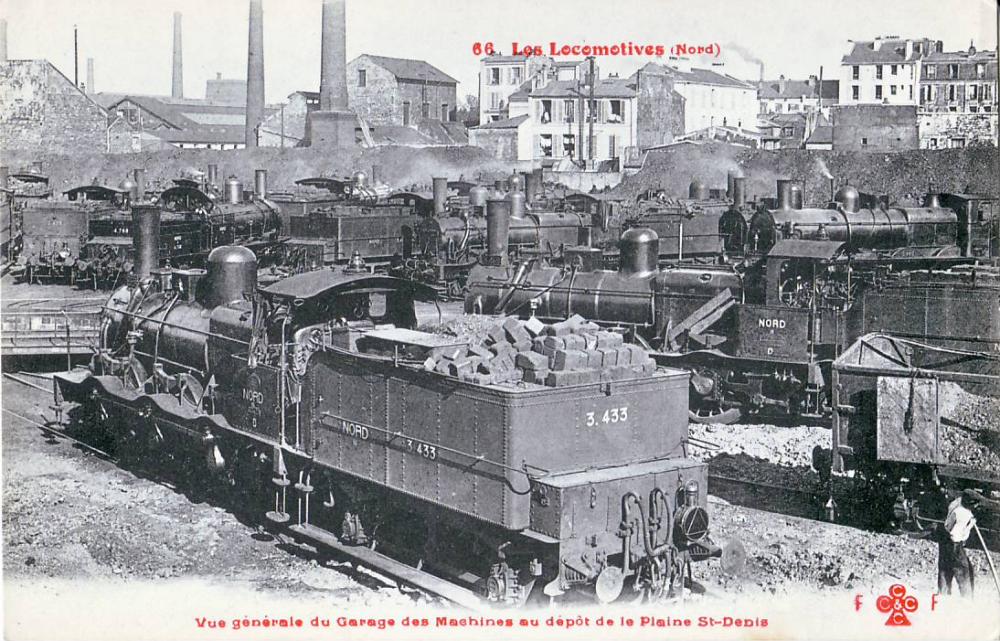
pixel 27 188
pixel 86 239
pixel 311 396
pixel 759 335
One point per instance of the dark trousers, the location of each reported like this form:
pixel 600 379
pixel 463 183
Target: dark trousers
pixel 954 563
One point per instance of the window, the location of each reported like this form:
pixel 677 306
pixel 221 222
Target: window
pixel 406 113
pixel 973 109
pixel 892 89
pixel 778 107
pixel 516 76
pixel 957 143
pixel 362 78
pixel 569 110
pixel 951 93
pixel 855 72
pixel 444 112
pixel 545 145
pixel 864 142
pixel 546 114
pixel 934 143
pixel 425 110
pixel 931 71
pixel 878 72
pixel 788 132
pixel 793 107
pixel 617 111
pixel 972 92
pixel 569 145
pixel 894 69
pixel 953 71
pixel 987 91
pixel 494 76
pixel 911 92
pixel 612 146
pixel 878 92
pixel 855 92
pixel 980 70
pixel 495 100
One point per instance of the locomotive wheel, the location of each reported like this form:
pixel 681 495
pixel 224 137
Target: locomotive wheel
pixel 716 416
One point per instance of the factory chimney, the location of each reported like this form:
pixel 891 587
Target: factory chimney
pixel 177 89
pixel 333 124
pixel 255 73
pixel 3 40
pixel 90 75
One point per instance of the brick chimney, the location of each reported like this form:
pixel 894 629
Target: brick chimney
pixel 333 124
pixel 177 88
pixel 255 72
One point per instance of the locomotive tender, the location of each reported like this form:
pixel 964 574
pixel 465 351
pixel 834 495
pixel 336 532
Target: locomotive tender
pixel 312 396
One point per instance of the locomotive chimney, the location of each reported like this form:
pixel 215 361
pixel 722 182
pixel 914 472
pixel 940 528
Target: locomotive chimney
pixel 260 183
pixel 177 88
pixel 739 191
pixel 213 175
pixel 255 73
pixel 497 229
pixel 730 177
pixel 231 274
pixel 639 249
pixel 145 240
pixel 784 190
pixel 139 178
pixel 440 195
pixel 697 190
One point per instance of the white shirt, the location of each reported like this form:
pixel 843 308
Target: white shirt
pixel 959 522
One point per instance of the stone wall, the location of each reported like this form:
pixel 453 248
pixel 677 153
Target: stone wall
pixel 378 101
pixel 875 128
pixel 42 112
pixel 295 114
pixel 941 130
pixel 659 110
pixel 498 143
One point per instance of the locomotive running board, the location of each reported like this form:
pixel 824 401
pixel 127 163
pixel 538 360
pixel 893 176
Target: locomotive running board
pixel 400 571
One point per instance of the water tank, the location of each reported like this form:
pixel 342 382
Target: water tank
pixel 795 192
pixel 848 198
pixel 234 191
pixel 784 190
pixel 698 190
pixel 639 249
pixel 231 275
pixel 516 199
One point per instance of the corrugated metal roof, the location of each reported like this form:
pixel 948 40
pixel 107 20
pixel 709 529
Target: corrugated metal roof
pixel 407 69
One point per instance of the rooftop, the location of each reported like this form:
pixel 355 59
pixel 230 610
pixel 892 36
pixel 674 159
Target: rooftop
pixel 694 76
pixel 603 88
pixel 191 120
pixel 886 51
pixel 771 89
pixel 821 135
pixel 408 69
pixel 508 123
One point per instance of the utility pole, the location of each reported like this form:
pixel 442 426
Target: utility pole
pixel 76 60
pixel 592 109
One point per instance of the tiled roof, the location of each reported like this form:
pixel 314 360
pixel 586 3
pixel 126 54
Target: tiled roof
pixel 694 76
pixel 988 55
pixel 407 69
pixel 605 88
pixel 508 123
pixel 885 51
pixel 822 134
pixel 770 89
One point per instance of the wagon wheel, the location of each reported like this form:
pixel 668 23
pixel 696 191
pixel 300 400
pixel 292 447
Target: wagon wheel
pixel 715 415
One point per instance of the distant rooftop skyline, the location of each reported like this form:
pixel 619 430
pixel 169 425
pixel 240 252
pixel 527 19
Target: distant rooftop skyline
pixel 131 40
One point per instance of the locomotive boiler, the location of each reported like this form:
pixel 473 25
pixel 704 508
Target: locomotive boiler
pixel 313 397
pixel 758 336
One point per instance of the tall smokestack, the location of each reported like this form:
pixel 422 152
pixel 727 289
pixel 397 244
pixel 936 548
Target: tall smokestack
pixel 333 61
pixel 255 72
pixel 3 40
pixel 333 124
pixel 177 88
pixel 90 75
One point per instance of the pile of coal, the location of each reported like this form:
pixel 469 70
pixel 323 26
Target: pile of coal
pixel 570 352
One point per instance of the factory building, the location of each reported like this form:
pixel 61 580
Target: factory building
pixel 399 91
pixel 42 111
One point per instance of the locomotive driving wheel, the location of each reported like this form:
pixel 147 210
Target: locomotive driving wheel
pixel 715 415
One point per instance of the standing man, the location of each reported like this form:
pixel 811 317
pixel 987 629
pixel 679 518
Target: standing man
pixel 953 562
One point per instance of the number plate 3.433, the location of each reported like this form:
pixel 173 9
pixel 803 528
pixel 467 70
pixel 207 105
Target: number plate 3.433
pixel 608 416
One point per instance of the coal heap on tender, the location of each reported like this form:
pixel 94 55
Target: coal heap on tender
pixel 508 350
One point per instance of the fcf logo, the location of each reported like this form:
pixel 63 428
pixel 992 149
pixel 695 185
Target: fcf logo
pixel 896 604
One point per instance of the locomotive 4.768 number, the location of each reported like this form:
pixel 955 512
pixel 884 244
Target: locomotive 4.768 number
pixel 613 415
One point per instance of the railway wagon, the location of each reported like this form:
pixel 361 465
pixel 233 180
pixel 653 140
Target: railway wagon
pixel 313 397
pixel 911 418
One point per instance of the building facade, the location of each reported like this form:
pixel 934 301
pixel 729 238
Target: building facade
pixel 797 96
pixel 399 92
pixel 713 99
pixel 42 111
pixel 874 127
pixel 502 76
pixel 958 99
pixel 884 71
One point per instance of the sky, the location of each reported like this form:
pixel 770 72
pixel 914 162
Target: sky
pixel 131 40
